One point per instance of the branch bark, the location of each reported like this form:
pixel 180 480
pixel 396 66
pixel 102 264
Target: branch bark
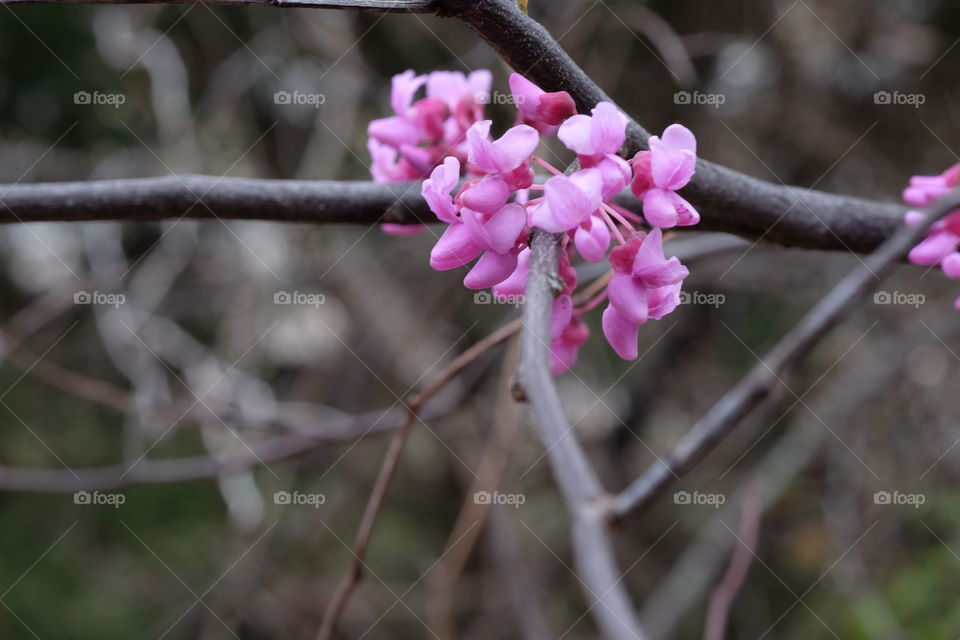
pixel 857 226
pixel 584 497
pixel 388 6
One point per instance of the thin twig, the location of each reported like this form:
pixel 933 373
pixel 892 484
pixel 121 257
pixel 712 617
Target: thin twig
pixel 765 375
pixel 473 513
pixel 723 596
pixel 388 468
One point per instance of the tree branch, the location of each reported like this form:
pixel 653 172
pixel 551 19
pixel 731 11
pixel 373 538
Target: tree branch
pixel 358 202
pixel 765 375
pixel 389 6
pixel 745 205
pixel 583 495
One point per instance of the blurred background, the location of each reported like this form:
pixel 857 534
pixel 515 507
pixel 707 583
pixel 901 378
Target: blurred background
pixel 132 346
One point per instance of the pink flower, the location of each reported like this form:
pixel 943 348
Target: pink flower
pixel 658 173
pixel 508 156
pixel 943 238
pixel 538 108
pixel 566 348
pixel 568 201
pixel 420 133
pixel 645 284
pixel 925 190
pixel 596 140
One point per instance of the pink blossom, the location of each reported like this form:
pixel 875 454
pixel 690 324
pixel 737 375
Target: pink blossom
pixel 925 190
pixel 421 133
pixel 508 156
pixel 566 348
pixel 939 247
pixel 645 284
pixel 596 140
pixel 568 201
pixel 536 107
pixel 658 173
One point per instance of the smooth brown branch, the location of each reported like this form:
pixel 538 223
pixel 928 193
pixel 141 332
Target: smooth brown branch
pixel 583 495
pixel 717 424
pixel 391 460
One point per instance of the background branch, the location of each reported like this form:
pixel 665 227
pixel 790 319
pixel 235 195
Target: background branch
pixel 765 375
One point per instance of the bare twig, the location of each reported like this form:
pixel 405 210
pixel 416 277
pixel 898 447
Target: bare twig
pixel 722 597
pixel 389 467
pixel 473 514
pixel 760 381
pixel 585 499
pixel 286 447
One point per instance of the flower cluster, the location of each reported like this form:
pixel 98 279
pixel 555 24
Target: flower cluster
pixel 943 238
pixel 485 191
pixel 421 133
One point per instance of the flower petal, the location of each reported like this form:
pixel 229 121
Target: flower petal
pixel 455 248
pixel 670 168
pixel 562 314
pixel 575 134
pixel 608 128
pixel 629 297
pixel 487 196
pixel 677 136
pixel 516 284
pixel 491 269
pixel 664 300
pixel 933 248
pixel 514 147
pixel 620 333
pixel 394 131
pixel 402 230
pixel 593 241
pixel 504 227
pixel 658 208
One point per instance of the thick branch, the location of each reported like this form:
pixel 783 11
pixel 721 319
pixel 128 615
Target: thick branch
pixel 582 492
pixel 206 197
pixel 398 6
pixel 742 204
pixel 765 375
